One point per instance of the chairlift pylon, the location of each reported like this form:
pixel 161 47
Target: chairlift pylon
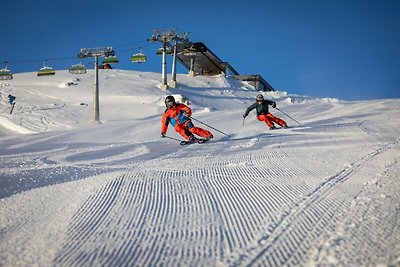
pixel 45 70
pixel 139 57
pixel 5 74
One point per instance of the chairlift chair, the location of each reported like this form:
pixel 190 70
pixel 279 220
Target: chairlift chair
pixel 77 69
pixel 110 60
pixel 139 57
pixel 168 51
pixel 45 70
pixel 5 74
pixel 189 52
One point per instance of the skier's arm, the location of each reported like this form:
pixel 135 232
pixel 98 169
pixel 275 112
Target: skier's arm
pixel 250 108
pixel 164 124
pixel 186 109
pixel 271 103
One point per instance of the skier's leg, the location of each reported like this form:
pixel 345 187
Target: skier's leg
pixel 183 131
pixel 265 119
pixel 199 131
pixel 276 119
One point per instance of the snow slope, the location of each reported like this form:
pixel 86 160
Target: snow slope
pixel 74 193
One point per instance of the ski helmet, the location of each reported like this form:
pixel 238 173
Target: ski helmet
pixel 260 97
pixel 169 99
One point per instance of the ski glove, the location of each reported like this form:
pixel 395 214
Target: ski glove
pixel 274 105
pixel 162 135
pixel 244 115
pixel 185 114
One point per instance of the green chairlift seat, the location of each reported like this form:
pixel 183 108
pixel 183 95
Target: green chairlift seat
pixel 5 74
pixel 189 52
pixel 77 69
pixel 110 60
pixel 139 58
pixel 168 51
pixel 45 71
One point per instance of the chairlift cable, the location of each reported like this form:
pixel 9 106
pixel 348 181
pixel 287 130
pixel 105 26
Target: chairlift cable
pixel 143 44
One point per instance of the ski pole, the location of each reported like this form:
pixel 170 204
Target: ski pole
pixel 209 126
pixel 12 108
pixel 243 120
pixel 288 116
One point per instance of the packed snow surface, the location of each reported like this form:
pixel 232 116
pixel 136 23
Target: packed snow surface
pixel 78 193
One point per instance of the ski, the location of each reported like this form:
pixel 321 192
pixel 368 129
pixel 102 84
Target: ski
pixel 279 128
pixel 184 143
pixel 199 141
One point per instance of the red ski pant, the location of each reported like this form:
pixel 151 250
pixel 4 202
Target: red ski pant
pixel 183 131
pixel 200 132
pixel 269 119
pixel 187 129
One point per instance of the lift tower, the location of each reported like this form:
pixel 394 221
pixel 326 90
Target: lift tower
pixel 166 37
pixel 96 53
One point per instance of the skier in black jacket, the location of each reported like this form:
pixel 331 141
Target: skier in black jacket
pixel 261 106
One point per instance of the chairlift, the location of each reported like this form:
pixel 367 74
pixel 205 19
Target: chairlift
pixel 168 51
pixel 110 60
pixel 139 57
pixel 45 70
pixel 5 74
pixel 77 69
pixel 189 52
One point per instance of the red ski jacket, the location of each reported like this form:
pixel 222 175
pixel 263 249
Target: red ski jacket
pixel 174 115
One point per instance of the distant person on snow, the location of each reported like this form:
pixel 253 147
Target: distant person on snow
pixel 261 106
pixel 178 115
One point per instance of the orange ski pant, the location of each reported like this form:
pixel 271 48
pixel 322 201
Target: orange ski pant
pixel 187 129
pixel 200 132
pixel 183 131
pixel 269 119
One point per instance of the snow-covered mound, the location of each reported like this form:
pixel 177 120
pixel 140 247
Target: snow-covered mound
pixel 64 101
pixel 73 192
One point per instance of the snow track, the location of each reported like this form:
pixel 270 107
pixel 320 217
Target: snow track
pixel 247 209
pixel 258 205
pixel 320 210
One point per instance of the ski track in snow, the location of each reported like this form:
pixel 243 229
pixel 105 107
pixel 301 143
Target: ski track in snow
pixel 244 209
pixel 321 194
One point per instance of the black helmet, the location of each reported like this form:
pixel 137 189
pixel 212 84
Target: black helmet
pixel 169 99
pixel 260 97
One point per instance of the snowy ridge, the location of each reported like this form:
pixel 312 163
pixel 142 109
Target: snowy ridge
pixel 321 194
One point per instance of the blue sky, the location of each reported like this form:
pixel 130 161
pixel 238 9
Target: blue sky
pixel 342 49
